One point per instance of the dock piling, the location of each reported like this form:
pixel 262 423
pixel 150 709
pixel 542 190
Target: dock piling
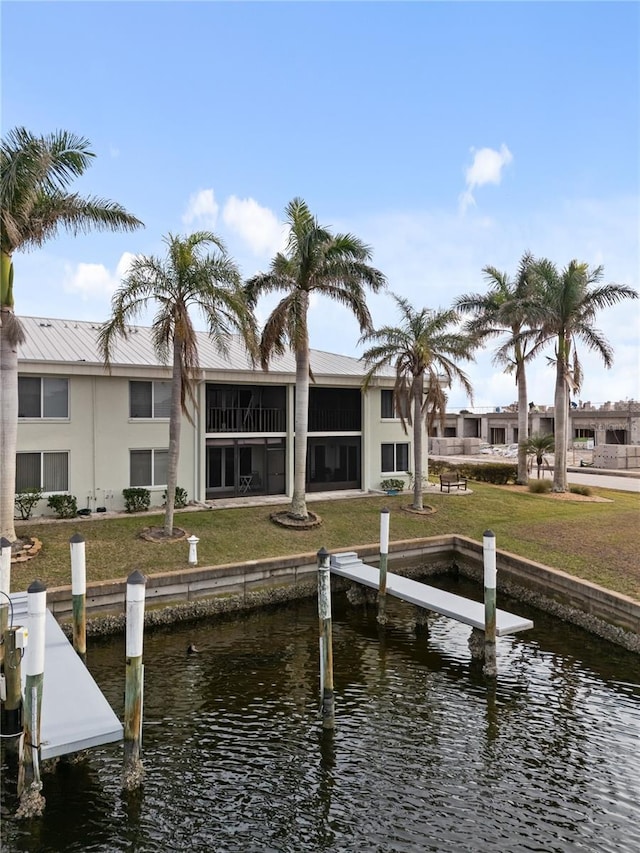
pixel 133 771
pixel 326 641
pixel 5 589
pixel 79 594
pixel 384 554
pixel 489 551
pixel 29 783
pixel 12 705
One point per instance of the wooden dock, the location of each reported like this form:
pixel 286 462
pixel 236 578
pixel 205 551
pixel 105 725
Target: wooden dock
pixel 75 713
pixel 348 565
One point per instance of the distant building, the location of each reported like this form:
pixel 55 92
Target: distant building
pixel 92 433
pixel 602 427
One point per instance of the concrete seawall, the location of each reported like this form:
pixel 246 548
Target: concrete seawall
pixel 197 592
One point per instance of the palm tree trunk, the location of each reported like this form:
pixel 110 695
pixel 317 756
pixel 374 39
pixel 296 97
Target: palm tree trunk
pixel 523 423
pixel 175 424
pixel 11 335
pixel 560 405
pixel 298 502
pixel 418 426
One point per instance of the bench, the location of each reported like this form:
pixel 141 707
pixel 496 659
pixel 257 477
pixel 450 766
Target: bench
pixel 452 481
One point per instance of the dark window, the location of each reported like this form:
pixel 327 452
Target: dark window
pixel 46 471
pixel 148 467
pixel 386 404
pixel 149 399
pixel 43 397
pixel 394 457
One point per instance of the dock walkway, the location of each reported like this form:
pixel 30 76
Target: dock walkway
pixel 75 713
pixel 348 565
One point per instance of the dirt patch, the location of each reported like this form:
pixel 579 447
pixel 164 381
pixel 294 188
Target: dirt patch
pixel 426 510
pixel 285 519
pixel 157 534
pixel 560 496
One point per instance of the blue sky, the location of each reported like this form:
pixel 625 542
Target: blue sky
pixel 448 136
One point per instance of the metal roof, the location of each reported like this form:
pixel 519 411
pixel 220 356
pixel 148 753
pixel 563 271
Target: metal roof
pixel 65 342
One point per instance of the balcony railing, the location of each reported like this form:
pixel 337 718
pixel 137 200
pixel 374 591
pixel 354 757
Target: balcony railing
pixel 334 420
pixel 246 420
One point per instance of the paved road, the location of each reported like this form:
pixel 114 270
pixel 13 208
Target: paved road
pixel 604 481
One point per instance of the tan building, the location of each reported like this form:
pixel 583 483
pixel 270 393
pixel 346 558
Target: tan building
pixel 92 434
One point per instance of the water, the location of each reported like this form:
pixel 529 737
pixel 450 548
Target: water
pixel 425 756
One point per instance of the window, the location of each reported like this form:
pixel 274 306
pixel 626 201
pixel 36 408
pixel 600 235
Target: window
pixel 48 471
pixel 386 404
pixel 395 457
pixel 43 397
pixel 388 407
pixel 149 399
pixel 148 467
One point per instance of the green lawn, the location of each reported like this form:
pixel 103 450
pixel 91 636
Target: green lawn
pixel 599 542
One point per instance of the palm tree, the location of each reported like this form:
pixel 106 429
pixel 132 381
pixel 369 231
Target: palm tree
pixel 187 278
pixel 421 349
pixel 538 446
pixel 35 204
pixel 315 261
pixel 569 302
pixel 505 310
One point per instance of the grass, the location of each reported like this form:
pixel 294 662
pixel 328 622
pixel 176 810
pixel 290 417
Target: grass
pixel 599 542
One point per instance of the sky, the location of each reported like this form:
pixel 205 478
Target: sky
pixel 447 136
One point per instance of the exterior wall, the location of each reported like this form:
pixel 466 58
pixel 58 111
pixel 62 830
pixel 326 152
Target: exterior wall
pixel 378 431
pixel 98 435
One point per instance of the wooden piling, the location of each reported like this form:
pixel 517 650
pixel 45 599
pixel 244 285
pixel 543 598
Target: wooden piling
pixel 326 641
pixel 384 554
pixel 29 782
pixel 5 589
pixel 133 771
pixel 489 552
pixel 79 594
pixel 12 706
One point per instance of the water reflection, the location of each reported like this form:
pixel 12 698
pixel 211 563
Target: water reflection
pixel 427 754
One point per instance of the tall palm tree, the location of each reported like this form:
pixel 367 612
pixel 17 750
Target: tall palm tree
pixel 187 278
pixel 35 204
pixel 315 262
pixel 506 309
pixel 570 300
pixel 538 446
pixel 421 349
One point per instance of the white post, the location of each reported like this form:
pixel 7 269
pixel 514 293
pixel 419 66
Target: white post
pixel 29 784
pixel 133 771
pixel 79 593
pixel 384 552
pixel 193 550
pixel 490 582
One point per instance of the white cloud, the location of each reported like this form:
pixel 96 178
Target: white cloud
pixel 202 209
pixel 95 281
pixel 486 168
pixel 258 226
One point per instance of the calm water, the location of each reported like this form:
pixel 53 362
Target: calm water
pixel 424 757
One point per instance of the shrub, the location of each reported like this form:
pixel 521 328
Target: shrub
pixel 540 487
pixel 580 490
pixel 180 500
pixel 64 506
pixel 136 500
pixel 26 501
pixel 498 473
pixel 392 483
